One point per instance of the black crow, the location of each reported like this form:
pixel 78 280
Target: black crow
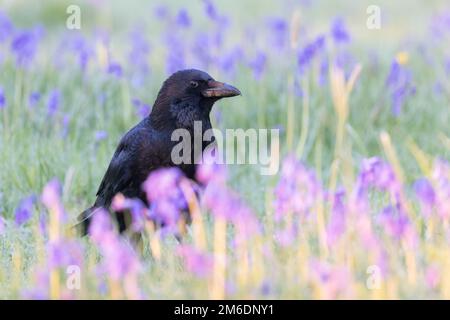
pixel 185 97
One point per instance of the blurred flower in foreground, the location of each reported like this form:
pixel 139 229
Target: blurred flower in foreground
pixel 119 261
pixel 425 194
pixel 64 253
pixel 51 198
pixel 297 190
pixel 138 210
pixel 197 262
pixel 332 281
pixel 165 197
pixel 223 202
pixel 398 225
pixel 24 210
pixel 378 174
pixel 337 224
pixel 441 176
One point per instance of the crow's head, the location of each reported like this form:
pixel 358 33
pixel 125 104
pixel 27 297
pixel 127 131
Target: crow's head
pixel 189 95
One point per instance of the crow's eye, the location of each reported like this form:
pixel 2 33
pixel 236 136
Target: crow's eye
pixel 194 84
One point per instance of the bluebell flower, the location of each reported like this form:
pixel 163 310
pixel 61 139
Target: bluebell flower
pixel 53 102
pixel 2 98
pixel 183 19
pixel 24 211
pixel 24 46
pixel 399 85
pixel 258 64
pixel 279 31
pixel 161 12
pixel 33 99
pixel 309 52
pixel 339 31
pixel 115 69
pixel 6 27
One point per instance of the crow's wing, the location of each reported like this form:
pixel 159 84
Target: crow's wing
pixel 123 173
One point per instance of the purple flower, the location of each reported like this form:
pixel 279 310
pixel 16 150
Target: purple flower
pixel 258 65
pixel 115 69
pixel 24 211
pixel 440 24
pixel 279 32
pixel 183 20
pixel 441 173
pixel 196 262
pixel 142 109
pixel 161 12
pixel 64 253
pixel 165 196
pixel 82 49
pixel 43 220
pixel 211 171
pixel 2 98
pixel 2 225
pixel 51 198
pixel 100 135
pixel 41 288
pixel 333 280
pixel 33 99
pixel 339 31
pixel 65 125
pixel 136 207
pixel 53 102
pixel 202 49
pixel 286 237
pixel 119 259
pixel 297 190
pixel 309 52
pixel 337 224
pixel 399 85
pixel 228 62
pixel 211 10
pixel 6 27
pixel 175 59
pixel 226 204
pixel 101 228
pixel 138 56
pixel 24 46
pixel 378 174
pixel 398 225
pixel 425 193
pixel 433 276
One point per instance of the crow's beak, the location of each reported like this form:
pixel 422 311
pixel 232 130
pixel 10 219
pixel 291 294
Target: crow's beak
pixel 218 89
